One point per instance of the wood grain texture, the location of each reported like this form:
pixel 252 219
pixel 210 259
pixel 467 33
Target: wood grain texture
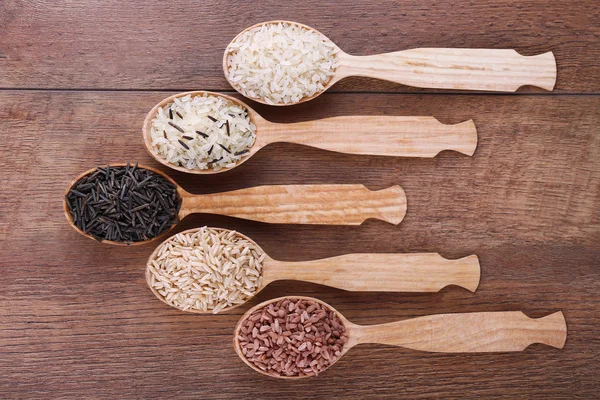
pixel 407 136
pixel 367 272
pixel 379 272
pixel 302 204
pixel 496 70
pixel 395 136
pixel 78 321
pixel 151 45
pixel 480 332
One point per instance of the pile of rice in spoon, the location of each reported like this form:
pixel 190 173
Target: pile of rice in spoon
pixel 202 132
pixel 280 62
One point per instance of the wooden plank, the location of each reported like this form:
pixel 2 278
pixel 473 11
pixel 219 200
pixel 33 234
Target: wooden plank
pixel 79 322
pixel 153 45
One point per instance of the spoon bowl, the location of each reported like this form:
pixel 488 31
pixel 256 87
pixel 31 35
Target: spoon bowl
pixel 334 79
pixel 376 272
pixel 255 118
pixel 284 204
pixel 477 332
pixel 236 333
pixel 91 171
pixel 161 298
pixel 367 135
pixel 502 70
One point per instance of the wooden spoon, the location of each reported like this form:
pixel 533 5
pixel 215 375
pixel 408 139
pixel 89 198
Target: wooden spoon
pixel 374 135
pixel 284 204
pixel 367 272
pixel 437 68
pixel 478 332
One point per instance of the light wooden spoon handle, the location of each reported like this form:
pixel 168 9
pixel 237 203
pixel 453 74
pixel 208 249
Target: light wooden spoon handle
pixel 378 135
pixel 424 272
pixel 469 69
pixel 468 333
pixel 302 204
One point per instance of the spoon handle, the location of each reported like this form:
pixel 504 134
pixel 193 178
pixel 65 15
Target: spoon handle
pixel 424 272
pixel 466 69
pixel 302 204
pixel 468 333
pixel 378 135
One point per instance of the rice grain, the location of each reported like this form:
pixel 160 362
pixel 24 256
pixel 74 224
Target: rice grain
pixel 306 347
pixel 280 62
pixel 206 270
pixel 207 145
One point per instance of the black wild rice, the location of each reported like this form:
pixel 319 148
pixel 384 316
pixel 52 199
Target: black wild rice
pixel 176 127
pixel 183 144
pixel 123 204
pixel 215 160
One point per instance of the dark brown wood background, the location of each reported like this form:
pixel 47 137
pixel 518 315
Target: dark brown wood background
pixel 76 80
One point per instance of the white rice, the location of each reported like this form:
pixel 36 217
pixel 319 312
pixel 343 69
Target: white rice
pixel 281 63
pixel 203 136
pixel 206 270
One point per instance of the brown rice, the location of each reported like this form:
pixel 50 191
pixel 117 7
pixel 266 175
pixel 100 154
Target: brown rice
pixel 206 269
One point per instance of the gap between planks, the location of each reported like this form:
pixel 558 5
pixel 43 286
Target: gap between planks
pixel 330 92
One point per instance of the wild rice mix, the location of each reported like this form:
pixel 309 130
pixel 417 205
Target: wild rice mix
pixel 281 63
pixel 292 337
pixel 202 132
pixel 206 270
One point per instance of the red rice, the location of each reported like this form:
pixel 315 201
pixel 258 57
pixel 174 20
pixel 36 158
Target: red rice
pixel 292 337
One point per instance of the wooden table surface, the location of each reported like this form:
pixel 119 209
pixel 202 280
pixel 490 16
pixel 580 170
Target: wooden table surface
pixel 76 80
